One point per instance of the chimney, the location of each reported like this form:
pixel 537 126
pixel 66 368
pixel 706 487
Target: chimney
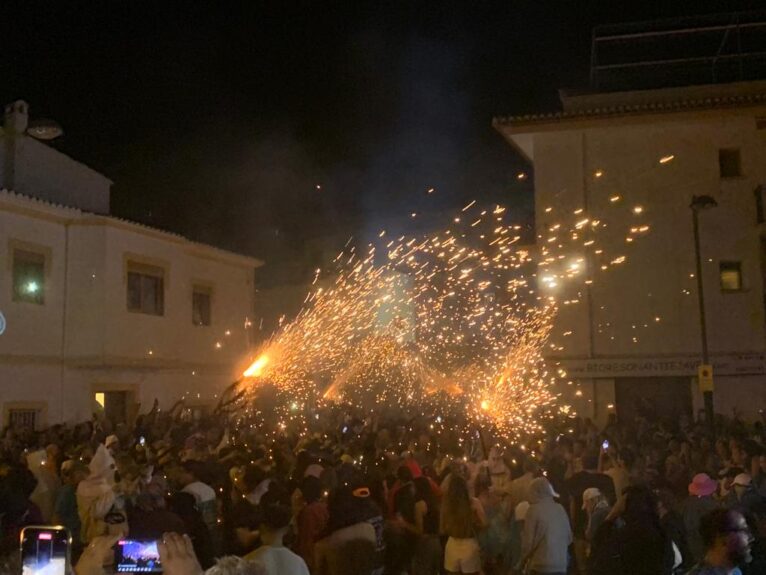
pixel 16 117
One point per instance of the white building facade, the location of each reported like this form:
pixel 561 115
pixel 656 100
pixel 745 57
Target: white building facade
pixel 102 313
pixel 634 159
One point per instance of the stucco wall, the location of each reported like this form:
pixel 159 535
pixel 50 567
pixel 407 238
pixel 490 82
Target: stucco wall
pixel 657 280
pixel 31 329
pixel 106 346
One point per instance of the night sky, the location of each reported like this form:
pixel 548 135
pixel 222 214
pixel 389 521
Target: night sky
pixel 218 120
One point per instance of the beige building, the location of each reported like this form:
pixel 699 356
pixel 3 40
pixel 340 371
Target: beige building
pixel 101 313
pixel 634 159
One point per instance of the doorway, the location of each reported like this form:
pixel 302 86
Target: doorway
pixel 113 405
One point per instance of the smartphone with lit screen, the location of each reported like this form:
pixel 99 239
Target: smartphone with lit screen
pixel 137 556
pixel 45 550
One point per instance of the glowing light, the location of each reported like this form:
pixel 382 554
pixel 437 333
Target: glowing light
pixel 666 159
pixel 256 368
pixel 442 323
pixel 521 176
pixel 32 287
pixel 614 199
pixel 598 173
pixel 638 209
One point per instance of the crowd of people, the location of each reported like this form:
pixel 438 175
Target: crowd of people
pixel 363 494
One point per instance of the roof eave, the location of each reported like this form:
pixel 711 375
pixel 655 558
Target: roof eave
pixel 508 136
pixel 32 206
pixel 560 121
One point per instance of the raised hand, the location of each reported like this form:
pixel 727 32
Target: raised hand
pixel 177 555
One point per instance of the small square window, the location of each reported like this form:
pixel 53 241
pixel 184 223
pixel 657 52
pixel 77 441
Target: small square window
pixel 731 276
pixel 146 289
pixel 201 306
pixel 22 419
pixel 729 163
pixel 28 277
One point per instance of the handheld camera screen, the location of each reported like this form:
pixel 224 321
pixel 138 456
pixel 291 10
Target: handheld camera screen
pixel 44 551
pixel 134 556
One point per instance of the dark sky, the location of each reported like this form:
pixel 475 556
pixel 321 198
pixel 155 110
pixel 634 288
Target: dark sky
pixel 219 119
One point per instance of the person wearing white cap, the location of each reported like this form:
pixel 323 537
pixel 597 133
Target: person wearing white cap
pixel 742 495
pixel 112 443
pixel 595 504
pixel 546 534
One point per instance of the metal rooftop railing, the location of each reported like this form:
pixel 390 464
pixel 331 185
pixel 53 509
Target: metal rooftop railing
pixel 677 52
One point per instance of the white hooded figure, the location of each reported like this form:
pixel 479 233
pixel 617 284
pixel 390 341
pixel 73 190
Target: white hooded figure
pixel 95 495
pixel 48 484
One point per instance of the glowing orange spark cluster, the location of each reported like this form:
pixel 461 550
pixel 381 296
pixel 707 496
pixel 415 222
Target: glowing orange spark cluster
pixel 462 315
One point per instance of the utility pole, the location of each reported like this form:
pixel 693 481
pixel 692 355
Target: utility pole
pixel 705 372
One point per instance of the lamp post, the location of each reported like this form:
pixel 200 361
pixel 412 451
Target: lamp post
pixel 698 204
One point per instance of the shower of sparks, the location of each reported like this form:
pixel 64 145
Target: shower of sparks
pixel 456 318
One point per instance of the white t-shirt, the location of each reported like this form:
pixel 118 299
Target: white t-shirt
pixel 278 561
pixel 202 492
pixel 261 489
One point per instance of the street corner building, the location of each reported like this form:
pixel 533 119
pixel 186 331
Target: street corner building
pixel 100 314
pixel 635 159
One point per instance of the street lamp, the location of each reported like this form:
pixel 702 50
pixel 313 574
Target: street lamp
pixel 698 204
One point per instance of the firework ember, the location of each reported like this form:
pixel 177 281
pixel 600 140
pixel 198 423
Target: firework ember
pixel 461 316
